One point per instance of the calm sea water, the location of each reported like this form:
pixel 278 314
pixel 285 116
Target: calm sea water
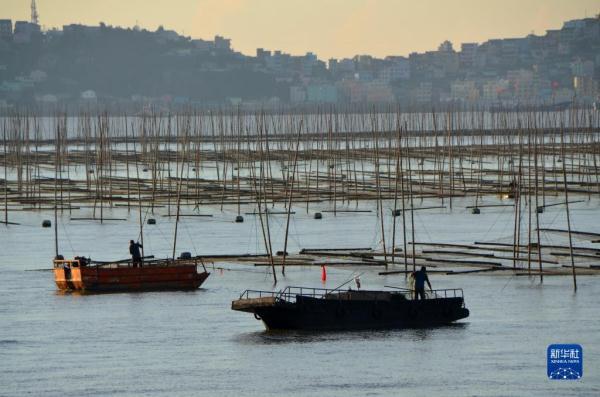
pixel 192 344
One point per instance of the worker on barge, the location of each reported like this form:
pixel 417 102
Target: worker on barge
pixel 136 256
pixel 421 278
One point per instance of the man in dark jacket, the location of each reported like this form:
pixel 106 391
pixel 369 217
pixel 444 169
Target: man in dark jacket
pixel 420 279
pixel 134 250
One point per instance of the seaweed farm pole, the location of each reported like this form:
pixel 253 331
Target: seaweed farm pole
pixel 100 173
pixel 198 148
pixel 403 200
pixel 378 182
pixel 259 192
pixel 412 212
pixel 127 164
pixel 564 169
pixel 529 199
pixel 86 126
pixel 438 164
pixel 394 213
pixel 238 157
pixel 449 126
pixel 264 174
pixel 331 161
pixel 308 158
pixel 5 177
pixel 517 194
pixel 269 176
pixel 289 207
pixel 103 133
pixel 537 214
pixel 37 166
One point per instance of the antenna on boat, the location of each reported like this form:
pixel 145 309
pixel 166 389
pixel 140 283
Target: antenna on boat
pixel 180 177
pixel 56 166
pixel 346 282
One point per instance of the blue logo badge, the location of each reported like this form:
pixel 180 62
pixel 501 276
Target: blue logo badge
pixel 565 362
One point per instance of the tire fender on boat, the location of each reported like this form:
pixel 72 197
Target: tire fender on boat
pixel 256 316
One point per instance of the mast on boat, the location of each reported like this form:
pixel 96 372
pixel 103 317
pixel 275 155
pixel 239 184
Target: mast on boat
pixel 56 170
pixel 180 177
pixel 139 189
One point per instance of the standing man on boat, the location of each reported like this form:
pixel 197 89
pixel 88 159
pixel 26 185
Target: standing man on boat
pixel 420 279
pixel 134 250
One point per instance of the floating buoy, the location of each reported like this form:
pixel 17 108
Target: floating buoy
pixel 476 211
pixel 323 273
pixel 318 215
pixel 396 212
pixel 239 219
pixel 46 223
pixel 540 210
pixel 151 221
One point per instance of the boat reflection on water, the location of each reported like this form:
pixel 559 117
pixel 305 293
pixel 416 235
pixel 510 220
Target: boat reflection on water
pixel 299 308
pixel 282 337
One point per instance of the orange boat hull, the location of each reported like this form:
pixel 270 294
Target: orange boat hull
pixel 146 278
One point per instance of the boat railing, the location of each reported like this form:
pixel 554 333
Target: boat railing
pixel 66 262
pixel 146 261
pixel 290 293
pixel 447 293
pixel 432 294
pixel 251 294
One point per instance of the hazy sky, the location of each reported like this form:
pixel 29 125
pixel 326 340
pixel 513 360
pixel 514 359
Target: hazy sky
pixel 330 28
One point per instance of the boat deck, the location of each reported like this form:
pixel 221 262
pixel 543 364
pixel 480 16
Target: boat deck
pixel 165 274
pixel 250 300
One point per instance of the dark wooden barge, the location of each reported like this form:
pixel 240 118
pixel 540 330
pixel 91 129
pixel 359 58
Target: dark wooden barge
pixel 122 276
pixel 298 308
